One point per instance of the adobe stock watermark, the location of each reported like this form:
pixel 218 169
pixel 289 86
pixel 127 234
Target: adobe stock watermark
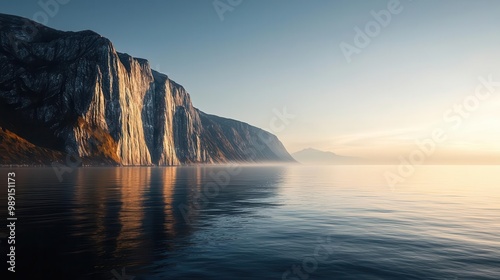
pixel 71 163
pixel 221 179
pixel 223 6
pixel 121 276
pixel 310 264
pixel 363 36
pixel 48 9
pixel 453 118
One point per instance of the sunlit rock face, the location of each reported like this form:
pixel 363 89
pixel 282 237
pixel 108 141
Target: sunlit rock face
pixel 72 92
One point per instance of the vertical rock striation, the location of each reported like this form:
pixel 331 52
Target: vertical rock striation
pixel 72 92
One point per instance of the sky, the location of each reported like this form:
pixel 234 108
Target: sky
pixel 370 79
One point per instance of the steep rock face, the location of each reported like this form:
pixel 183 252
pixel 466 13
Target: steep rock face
pixel 72 92
pixel 232 140
pixel 177 125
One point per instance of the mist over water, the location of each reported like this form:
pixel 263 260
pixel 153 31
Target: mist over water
pixel 266 222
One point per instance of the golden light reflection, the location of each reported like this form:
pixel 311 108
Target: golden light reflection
pixel 132 182
pixel 169 176
pixel 475 186
pixel 92 201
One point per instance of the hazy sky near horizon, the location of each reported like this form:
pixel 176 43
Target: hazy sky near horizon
pixel 266 55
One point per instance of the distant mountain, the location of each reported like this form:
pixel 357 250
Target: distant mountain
pixel 72 93
pixel 313 156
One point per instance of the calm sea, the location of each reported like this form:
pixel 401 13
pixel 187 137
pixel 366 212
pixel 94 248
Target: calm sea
pixel 256 222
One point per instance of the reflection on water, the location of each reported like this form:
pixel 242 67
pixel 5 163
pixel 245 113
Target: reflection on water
pixel 99 219
pixel 257 222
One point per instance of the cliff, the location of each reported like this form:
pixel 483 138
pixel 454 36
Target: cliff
pixel 73 93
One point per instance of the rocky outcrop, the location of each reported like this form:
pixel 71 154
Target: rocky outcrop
pixel 73 93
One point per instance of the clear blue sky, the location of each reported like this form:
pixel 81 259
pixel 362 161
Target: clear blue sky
pixel 270 54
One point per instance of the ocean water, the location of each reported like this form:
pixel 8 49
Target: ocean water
pixel 257 222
